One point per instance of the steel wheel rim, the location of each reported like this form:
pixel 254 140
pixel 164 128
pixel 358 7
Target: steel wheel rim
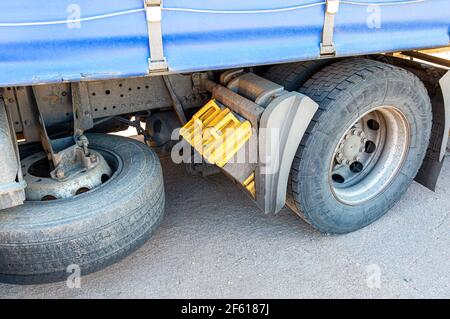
pixel 369 155
pixel 41 188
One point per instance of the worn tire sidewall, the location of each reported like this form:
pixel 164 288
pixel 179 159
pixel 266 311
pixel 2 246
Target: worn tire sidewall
pixel 55 229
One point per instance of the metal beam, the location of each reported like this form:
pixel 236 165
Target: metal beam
pixel 427 58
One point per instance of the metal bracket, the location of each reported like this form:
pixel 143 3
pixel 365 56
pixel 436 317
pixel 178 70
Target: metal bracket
pixel 157 61
pixel 73 160
pixel 69 155
pixel 82 113
pixel 327 46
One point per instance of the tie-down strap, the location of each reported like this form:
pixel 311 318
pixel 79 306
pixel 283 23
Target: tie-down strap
pixel 157 61
pixel 327 46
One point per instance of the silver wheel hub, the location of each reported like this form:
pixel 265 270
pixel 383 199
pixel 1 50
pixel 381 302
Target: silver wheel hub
pixel 369 155
pixel 352 147
pixel 40 186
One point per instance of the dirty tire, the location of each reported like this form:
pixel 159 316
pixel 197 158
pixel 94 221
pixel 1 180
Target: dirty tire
pixel 293 75
pixel 40 240
pixel 343 90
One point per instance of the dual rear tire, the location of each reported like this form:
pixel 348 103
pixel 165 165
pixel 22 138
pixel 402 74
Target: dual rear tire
pixel 364 145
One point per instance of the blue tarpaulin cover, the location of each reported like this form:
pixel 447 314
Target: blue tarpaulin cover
pixel 63 40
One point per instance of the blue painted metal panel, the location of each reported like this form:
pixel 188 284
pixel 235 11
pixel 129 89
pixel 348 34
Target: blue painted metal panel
pixel 118 46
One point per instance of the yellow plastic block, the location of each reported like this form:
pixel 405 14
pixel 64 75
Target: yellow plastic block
pixel 249 184
pixel 216 133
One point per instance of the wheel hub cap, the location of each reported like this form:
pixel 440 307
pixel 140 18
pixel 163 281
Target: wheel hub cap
pixel 369 155
pixel 352 147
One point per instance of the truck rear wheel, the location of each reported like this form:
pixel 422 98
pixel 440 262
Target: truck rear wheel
pixel 91 230
pixel 364 145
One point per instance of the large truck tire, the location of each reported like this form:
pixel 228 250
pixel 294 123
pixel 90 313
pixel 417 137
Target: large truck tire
pixel 41 239
pixel 293 75
pixel 364 145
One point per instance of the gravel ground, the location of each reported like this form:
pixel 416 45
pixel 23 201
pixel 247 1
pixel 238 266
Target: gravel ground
pixel 214 243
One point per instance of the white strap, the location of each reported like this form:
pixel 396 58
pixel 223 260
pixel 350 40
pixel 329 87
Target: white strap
pixel 157 61
pixel 327 46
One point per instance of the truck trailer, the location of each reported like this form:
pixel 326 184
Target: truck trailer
pixel 329 107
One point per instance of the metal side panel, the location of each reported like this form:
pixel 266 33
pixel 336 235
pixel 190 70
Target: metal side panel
pixel 198 35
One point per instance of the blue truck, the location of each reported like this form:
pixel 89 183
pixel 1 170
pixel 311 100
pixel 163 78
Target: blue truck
pixel 330 107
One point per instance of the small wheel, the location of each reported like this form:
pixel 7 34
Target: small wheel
pixel 92 228
pixel 364 145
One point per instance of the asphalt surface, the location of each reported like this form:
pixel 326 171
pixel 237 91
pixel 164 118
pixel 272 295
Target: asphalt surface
pixel 214 243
